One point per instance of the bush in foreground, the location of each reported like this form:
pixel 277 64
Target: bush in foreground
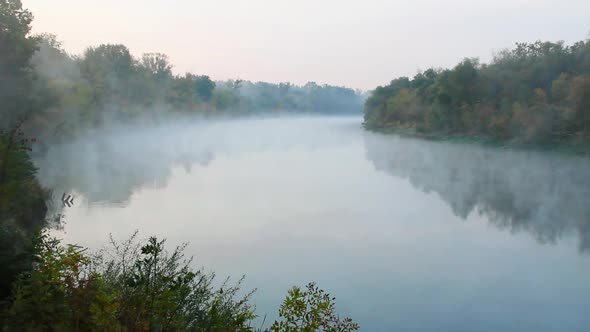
pixel 129 287
pixel 310 310
pixel 142 287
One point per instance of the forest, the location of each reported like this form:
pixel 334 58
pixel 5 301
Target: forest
pixel 106 83
pixel 47 95
pixel 535 93
pixel 60 94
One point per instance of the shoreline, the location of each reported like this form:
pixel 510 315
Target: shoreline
pixel 557 147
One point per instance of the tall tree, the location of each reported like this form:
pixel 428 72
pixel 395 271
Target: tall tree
pixel 158 65
pixel 109 69
pixel 16 49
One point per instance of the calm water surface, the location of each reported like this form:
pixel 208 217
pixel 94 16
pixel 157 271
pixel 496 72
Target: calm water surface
pixel 409 235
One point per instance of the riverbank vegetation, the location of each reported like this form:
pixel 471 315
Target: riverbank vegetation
pixel 107 83
pixel 46 285
pixel 534 93
pixel 139 286
pixel 61 94
pixel 130 286
pixel 23 208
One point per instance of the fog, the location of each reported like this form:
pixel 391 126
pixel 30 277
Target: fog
pixel 266 171
pixel 108 165
pixel 106 86
pixel 408 234
pixel 538 192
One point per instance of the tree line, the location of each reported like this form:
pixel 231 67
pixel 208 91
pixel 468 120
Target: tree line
pixel 107 79
pixel 535 93
pixel 61 94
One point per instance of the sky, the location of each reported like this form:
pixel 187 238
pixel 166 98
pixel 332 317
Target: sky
pixel 359 44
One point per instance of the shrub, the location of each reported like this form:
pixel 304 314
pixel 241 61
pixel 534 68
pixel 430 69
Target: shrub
pixel 131 287
pixel 310 310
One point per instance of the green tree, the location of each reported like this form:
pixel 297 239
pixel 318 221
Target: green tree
pixel 579 101
pixel 158 291
pixel 61 293
pixel 158 65
pixel 190 91
pixel 533 93
pixel 16 49
pixel 131 287
pixel 23 207
pixel 310 310
pixel 204 87
pixel 109 69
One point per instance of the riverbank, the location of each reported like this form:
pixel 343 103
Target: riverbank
pixel 461 138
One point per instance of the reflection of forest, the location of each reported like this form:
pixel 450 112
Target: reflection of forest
pixel 109 165
pixel 109 168
pixel 545 194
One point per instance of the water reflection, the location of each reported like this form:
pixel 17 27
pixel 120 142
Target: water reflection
pixel 544 194
pixel 107 166
pixel 289 201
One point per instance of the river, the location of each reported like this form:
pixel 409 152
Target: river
pixel 407 234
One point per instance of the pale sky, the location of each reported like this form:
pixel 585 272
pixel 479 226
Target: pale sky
pixel 360 44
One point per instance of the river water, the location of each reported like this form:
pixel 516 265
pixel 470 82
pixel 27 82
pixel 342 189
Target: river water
pixel 408 235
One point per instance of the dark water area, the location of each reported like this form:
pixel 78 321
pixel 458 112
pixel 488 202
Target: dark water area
pixel 408 234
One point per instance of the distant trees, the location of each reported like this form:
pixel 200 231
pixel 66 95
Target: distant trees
pixel 204 87
pixel 62 94
pixel 190 91
pixel 107 82
pixel 109 69
pixel 309 98
pixel 534 93
pixel 158 65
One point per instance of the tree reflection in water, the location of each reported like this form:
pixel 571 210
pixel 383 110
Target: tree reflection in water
pixel 543 193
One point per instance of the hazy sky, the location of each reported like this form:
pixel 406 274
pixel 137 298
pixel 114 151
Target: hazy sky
pixel 360 44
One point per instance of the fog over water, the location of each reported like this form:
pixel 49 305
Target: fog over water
pixel 407 234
